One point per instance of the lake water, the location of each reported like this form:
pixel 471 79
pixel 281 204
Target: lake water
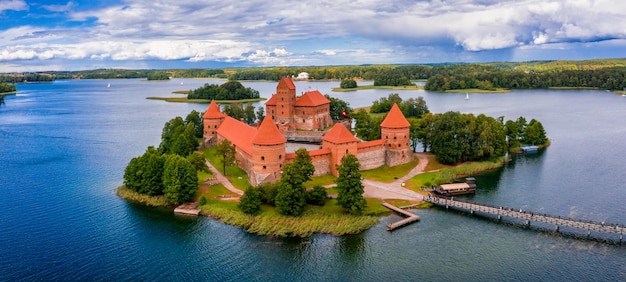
pixel 64 146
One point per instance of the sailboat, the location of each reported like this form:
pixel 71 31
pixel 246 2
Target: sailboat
pixel 467 96
pixel 108 85
pixel 181 83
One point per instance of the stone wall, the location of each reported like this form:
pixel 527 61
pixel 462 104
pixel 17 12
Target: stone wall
pixel 371 157
pixel 304 136
pixel 398 157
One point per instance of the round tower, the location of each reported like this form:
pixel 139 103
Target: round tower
pixel 285 101
pixel 394 131
pixel 268 153
pixel 212 119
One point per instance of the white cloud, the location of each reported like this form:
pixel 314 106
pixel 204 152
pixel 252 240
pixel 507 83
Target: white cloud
pixel 15 5
pixel 310 32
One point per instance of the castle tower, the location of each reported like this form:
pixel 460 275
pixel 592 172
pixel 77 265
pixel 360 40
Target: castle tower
pixel 268 153
pixel 212 118
pixel 285 101
pixel 340 142
pixel 394 131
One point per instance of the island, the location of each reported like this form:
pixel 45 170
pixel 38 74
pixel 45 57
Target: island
pixel 244 176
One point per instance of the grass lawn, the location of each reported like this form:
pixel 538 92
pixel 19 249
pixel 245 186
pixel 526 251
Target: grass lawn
pixel 449 174
pixel 236 175
pixel 388 174
pixel 321 180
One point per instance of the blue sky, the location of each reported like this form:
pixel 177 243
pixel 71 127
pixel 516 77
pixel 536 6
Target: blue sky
pixel 45 35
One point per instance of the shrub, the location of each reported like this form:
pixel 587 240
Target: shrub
pixel 316 196
pixel 250 202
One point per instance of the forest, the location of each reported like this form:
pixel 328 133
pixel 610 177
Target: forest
pixel 607 74
pixel 231 90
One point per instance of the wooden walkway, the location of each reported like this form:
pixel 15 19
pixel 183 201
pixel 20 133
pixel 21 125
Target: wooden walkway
pixel 410 217
pixel 529 216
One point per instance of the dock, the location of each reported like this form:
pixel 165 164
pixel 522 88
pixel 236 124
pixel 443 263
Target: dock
pixel 187 209
pixel 410 217
pixel 529 216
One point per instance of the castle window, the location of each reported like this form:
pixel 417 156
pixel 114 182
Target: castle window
pixel 282 106
pixel 215 126
pixel 302 112
pixel 264 167
pixel 387 137
pixel 280 165
pixel 394 138
pixel 398 145
pixel 282 113
pixel 280 157
pixel 346 151
pixel 262 158
pixel 303 120
pixel 282 99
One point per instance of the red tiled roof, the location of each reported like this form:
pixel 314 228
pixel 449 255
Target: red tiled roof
pixel 286 81
pixel 372 143
pixel 271 101
pixel 339 134
pixel 213 111
pixel 395 119
pixel 268 133
pixel 311 99
pixel 238 133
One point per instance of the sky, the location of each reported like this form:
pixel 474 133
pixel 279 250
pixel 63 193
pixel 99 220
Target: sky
pixel 47 35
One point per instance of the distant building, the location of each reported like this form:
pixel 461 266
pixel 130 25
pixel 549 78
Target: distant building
pixel 302 76
pixel 261 152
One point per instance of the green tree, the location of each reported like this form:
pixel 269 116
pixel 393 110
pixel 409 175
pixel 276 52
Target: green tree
pixel 179 179
pixel 349 186
pixel 143 174
pixel 338 107
pixel 235 110
pixel 268 193
pixel 171 130
pixel 226 151
pixel 384 104
pixel 260 113
pixel 197 160
pixel 250 202
pixel 414 107
pixel 316 196
pixel 195 118
pixel 249 116
pixel 535 134
pixel 512 134
pixel 348 83
pixel 366 126
pixel 290 197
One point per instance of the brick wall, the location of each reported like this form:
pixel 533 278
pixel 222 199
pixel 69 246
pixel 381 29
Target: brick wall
pixel 371 157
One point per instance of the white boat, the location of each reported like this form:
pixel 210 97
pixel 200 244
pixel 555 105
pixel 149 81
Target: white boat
pixel 181 83
pixel 108 85
pixel 467 96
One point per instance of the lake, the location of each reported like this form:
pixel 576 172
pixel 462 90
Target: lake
pixel 64 147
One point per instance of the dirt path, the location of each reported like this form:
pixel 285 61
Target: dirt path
pixel 372 189
pixel 394 190
pixel 222 179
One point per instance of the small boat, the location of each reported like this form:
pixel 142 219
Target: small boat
pixel 181 83
pixel 453 189
pixel 108 85
pixel 527 149
pixel 467 96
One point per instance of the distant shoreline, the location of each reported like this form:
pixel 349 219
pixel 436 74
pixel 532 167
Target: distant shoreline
pixel 203 101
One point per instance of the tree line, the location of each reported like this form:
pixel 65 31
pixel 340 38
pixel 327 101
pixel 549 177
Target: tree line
pixel 231 90
pixel 171 169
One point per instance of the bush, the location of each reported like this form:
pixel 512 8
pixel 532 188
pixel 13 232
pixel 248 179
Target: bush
pixel 250 202
pixel 202 201
pixel 348 83
pixel 268 193
pixel 316 196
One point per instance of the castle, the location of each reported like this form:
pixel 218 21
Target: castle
pixel 261 152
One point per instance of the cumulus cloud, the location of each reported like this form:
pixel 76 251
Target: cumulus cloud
pixel 291 32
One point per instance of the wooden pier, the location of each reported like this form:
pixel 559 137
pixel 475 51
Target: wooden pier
pixel 410 217
pixel 529 216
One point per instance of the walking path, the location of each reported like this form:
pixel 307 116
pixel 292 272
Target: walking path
pixel 222 179
pixel 372 189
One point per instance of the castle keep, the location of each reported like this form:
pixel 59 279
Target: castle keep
pixel 260 151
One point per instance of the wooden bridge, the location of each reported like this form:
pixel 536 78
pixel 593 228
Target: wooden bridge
pixel 529 216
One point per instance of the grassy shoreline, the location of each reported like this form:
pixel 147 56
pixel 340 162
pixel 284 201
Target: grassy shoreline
pixel 476 90
pixel 203 101
pixel 369 87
